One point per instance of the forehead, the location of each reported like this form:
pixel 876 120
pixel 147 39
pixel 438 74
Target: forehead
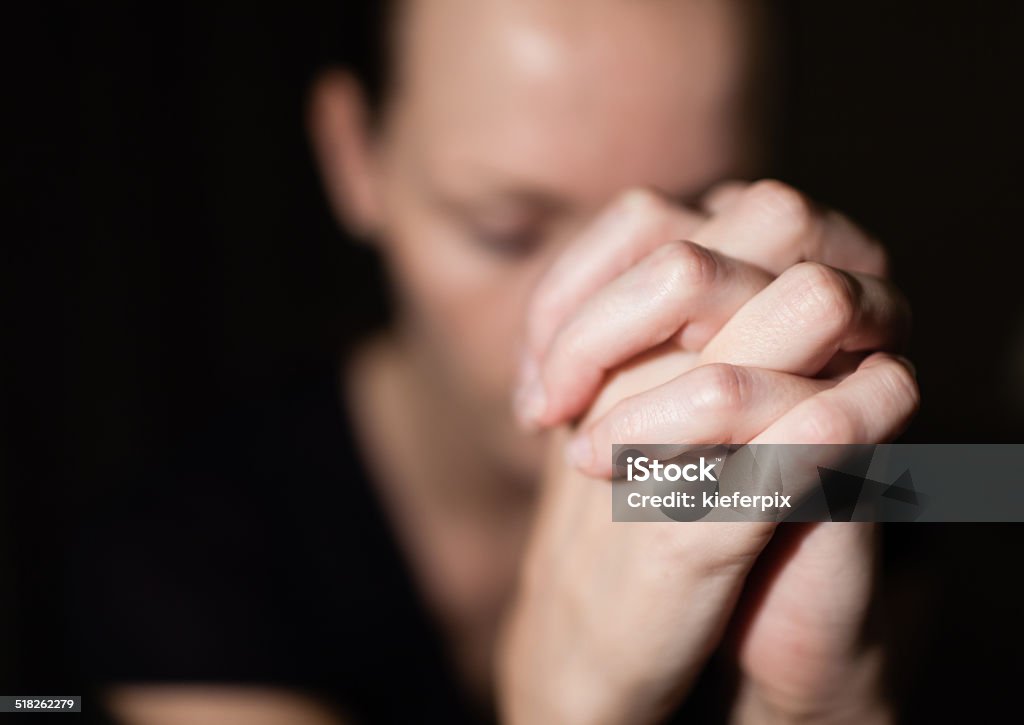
pixel 615 92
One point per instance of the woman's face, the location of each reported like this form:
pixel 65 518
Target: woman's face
pixel 511 123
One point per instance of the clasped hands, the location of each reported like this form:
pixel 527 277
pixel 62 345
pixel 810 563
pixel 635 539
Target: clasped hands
pixel 756 318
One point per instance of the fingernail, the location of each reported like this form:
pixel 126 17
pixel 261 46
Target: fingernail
pixel 531 402
pixel 580 452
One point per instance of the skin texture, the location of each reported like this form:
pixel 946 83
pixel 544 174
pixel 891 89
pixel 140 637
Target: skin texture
pixel 545 186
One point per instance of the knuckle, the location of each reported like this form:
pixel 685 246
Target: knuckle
pixel 684 267
pixel 823 422
pixel 783 205
pixel 822 295
pixel 722 387
pixel 646 210
pixel 642 201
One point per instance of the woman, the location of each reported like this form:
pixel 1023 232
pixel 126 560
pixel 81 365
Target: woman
pixel 548 185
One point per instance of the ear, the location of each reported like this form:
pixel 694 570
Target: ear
pixel 338 124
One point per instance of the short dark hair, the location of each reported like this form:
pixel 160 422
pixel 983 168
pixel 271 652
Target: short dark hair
pixel 357 35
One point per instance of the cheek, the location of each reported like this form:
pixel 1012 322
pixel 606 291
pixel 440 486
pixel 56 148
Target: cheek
pixel 465 306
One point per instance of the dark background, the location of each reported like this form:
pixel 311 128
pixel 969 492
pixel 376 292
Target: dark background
pixel 168 252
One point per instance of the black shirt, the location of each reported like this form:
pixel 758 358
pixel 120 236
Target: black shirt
pixel 262 556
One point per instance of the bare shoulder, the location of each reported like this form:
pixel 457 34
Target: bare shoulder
pixel 216 705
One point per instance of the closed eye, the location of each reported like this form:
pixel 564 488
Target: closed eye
pixel 516 240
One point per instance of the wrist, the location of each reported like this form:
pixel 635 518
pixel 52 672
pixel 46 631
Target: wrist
pixel 856 698
pixel 580 690
pixel 527 695
pixel 758 711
